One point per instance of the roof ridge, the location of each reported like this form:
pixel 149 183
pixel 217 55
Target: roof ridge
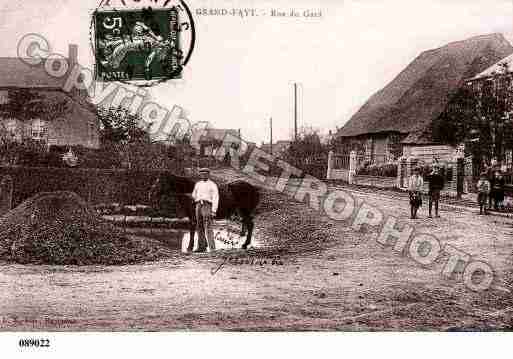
pixel 478 38
pixel 18 72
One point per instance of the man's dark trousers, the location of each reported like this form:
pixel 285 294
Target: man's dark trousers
pixel 204 225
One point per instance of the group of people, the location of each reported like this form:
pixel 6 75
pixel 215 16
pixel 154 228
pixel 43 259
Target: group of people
pixel 416 182
pixel 490 188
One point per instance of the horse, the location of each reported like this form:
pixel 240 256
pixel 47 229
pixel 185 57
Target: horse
pixel 235 198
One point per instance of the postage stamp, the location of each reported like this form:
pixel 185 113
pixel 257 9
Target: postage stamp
pixel 138 44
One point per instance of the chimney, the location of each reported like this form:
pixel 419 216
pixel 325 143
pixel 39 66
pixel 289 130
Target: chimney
pixel 72 55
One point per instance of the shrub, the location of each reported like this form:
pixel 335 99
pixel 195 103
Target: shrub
pixel 136 156
pixel 378 170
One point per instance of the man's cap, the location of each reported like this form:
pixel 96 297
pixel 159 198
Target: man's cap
pixel 204 170
pixel 483 174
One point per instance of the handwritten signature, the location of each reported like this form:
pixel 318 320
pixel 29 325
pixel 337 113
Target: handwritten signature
pixel 250 261
pixel 231 239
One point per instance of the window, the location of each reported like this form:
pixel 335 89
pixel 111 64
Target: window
pixel 11 129
pixel 509 159
pixel 39 129
pixel 4 97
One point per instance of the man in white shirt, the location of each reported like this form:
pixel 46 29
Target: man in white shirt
pixel 206 200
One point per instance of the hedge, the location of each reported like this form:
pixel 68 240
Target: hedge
pixel 96 186
pixel 142 155
pixel 378 170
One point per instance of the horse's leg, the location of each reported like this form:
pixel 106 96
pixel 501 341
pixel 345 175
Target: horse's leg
pixel 192 227
pixel 241 214
pixel 249 223
pixel 192 231
pixel 243 229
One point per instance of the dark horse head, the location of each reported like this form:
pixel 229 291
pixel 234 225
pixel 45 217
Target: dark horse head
pixel 168 184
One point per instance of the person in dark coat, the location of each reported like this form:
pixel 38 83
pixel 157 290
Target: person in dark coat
pixel 436 184
pixel 498 190
pixel 491 179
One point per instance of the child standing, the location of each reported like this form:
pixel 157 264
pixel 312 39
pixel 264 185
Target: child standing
pixel 414 187
pixel 483 189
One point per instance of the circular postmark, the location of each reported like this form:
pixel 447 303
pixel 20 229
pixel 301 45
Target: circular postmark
pixel 141 45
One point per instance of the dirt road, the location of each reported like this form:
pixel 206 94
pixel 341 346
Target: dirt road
pixel 332 278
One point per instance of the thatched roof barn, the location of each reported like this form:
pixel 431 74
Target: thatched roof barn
pixel 402 112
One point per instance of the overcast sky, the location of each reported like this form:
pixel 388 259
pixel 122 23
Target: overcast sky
pixel 242 70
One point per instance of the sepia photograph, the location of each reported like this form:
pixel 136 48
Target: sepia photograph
pixel 199 169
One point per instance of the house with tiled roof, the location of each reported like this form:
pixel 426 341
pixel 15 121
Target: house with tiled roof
pixel 495 85
pixel 502 66
pixel 76 124
pixel 400 116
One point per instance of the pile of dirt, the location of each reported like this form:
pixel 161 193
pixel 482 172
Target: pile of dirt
pixel 61 228
pixel 289 226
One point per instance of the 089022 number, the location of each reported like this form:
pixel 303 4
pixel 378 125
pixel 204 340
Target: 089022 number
pixel 34 342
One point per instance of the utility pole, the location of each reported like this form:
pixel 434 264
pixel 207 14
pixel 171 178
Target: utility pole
pixel 295 111
pixel 271 141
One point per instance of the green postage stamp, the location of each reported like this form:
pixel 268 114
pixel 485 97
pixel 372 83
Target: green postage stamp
pixel 137 44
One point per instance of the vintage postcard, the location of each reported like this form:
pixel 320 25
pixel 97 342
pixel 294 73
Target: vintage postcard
pixel 287 166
